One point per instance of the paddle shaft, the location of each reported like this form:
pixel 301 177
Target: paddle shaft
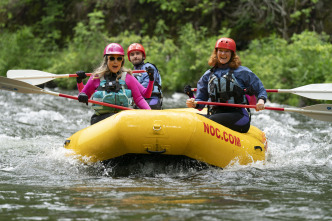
pixel 319 112
pixel 296 91
pixel 285 91
pixel 26 88
pixel 47 76
pixel 90 101
pixel 23 77
pixel 321 91
pixel 254 106
pixel 96 102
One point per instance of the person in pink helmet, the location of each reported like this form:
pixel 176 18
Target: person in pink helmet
pixel 228 82
pixel 112 83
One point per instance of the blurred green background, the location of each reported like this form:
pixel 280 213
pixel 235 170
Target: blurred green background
pixel 286 43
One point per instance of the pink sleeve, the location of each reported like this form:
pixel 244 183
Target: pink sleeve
pixel 91 86
pixel 134 85
pixel 146 92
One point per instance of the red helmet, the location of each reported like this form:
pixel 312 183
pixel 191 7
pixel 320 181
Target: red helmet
pixel 227 43
pixel 114 48
pixel 135 47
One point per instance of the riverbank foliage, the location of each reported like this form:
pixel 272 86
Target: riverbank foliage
pixel 65 36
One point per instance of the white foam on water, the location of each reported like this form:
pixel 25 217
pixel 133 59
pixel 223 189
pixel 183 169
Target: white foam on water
pixel 292 141
pixel 39 117
pixel 176 100
pixel 38 161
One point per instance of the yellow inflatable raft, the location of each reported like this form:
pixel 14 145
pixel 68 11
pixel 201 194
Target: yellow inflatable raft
pixel 167 132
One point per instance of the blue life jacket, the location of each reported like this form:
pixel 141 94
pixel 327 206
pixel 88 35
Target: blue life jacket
pixel 112 92
pixel 226 89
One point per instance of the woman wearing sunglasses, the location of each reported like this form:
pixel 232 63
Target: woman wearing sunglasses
pixel 226 82
pixel 114 84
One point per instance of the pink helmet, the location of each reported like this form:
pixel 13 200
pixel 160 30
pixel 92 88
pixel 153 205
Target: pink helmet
pixel 114 48
pixel 227 43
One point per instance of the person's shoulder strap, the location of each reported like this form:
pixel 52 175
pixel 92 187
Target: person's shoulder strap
pixel 123 76
pixel 231 71
pixel 212 70
pixel 211 75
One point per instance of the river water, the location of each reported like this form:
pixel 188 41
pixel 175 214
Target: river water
pixel 38 181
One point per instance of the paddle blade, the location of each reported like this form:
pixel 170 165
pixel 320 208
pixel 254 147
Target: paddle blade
pixel 321 112
pixel 18 86
pixel 315 91
pixel 33 77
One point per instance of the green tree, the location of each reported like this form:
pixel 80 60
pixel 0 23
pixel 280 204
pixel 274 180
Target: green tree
pixel 305 60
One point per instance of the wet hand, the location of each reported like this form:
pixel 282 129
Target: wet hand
pixel 191 102
pixel 81 75
pixel 82 97
pixel 260 105
pixel 150 72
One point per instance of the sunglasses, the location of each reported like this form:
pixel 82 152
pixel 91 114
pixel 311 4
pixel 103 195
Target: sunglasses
pixel 113 58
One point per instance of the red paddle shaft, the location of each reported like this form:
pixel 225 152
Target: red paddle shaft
pixel 238 105
pixel 89 74
pixel 267 90
pixel 96 102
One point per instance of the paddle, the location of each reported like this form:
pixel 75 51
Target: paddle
pixel 312 91
pixel 23 87
pixel 321 112
pixel 36 77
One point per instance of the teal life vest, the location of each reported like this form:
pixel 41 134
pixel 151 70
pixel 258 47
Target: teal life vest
pixel 226 89
pixel 112 92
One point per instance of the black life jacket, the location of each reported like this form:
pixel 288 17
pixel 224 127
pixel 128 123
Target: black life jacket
pixel 225 89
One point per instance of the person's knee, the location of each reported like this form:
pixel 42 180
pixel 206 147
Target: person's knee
pixel 244 129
